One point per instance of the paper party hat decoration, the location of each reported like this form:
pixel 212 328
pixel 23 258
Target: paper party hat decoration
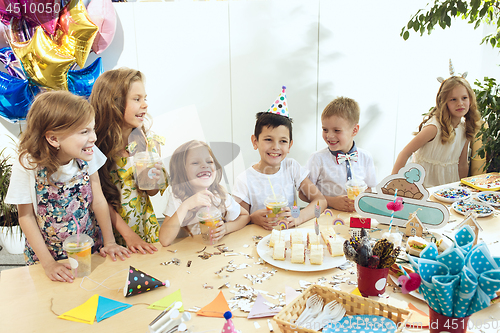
pixel 139 282
pixel 280 105
pixel 167 301
pixel 108 307
pixel 260 309
pixel 228 326
pixel 84 313
pixel 216 308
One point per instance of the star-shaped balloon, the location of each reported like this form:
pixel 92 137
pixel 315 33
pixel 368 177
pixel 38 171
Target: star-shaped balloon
pixel 76 32
pixel 16 96
pixel 43 61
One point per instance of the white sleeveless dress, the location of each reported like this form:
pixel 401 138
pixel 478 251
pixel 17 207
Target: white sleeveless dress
pixel 439 160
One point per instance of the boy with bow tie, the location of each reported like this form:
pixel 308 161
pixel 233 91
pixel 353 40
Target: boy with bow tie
pixel 331 167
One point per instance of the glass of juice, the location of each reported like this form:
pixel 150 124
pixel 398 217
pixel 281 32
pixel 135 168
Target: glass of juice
pixel 208 218
pixel 79 250
pixel 275 203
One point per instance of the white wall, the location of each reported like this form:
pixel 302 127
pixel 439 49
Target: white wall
pixel 227 60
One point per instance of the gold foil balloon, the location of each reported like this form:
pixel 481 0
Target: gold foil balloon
pixel 76 32
pixel 42 60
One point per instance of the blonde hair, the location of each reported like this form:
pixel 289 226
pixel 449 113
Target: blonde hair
pixel 342 107
pixel 443 116
pixel 57 111
pixel 109 99
pixel 181 186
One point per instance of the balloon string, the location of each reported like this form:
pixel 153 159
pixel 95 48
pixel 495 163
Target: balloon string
pixel 101 283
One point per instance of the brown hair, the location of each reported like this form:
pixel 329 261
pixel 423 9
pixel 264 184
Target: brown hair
pixel 109 99
pixel 342 107
pixel 56 111
pixel 181 187
pixel 443 116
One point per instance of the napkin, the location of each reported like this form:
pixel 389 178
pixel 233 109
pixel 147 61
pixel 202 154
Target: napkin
pixel 445 285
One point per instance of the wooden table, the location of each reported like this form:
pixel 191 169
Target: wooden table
pixel 29 301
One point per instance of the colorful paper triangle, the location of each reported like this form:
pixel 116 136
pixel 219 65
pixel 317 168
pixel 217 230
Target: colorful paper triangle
pixel 260 309
pixel 84 313
pixel 139 282
pixel 108 307
pixel 290 294
pixel 216 308
pixel 167 301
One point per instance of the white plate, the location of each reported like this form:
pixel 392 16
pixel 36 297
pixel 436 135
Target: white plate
pixel 463 206
pixel 452 194
pixel 266 253
pixel 492 198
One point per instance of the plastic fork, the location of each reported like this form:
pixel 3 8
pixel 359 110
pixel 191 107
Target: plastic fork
pixel 332 312
pixel 314 304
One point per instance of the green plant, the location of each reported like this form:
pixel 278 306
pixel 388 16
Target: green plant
pixel 488 103
pixel 8 213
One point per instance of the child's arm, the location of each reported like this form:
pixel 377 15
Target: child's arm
pixel 341 202
pixel 134 242
pixel 259 217
pixel 313 196
pixel 463 163
pixel 53 269
pixel 231 226
pixel 428 133
pixel 171 225
pixel 101 211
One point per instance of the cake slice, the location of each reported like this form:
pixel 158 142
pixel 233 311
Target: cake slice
pixel 335 246
pixel 296 238
pixel 312 239
pixel 279 252
pixel 298 254
pixel 316 254
pixel 276 237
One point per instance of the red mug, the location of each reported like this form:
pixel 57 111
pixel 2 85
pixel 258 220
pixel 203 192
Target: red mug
pixel 372 281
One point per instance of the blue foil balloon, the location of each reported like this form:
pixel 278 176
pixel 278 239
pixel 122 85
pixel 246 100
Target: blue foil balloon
pixel 80 82
pixel 16 96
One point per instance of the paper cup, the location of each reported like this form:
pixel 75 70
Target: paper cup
pixel 354 188
pixel 208 218
pixel 144 176
pixel 276 204
pixel 372 281
pixel 79 250
pixel 439 323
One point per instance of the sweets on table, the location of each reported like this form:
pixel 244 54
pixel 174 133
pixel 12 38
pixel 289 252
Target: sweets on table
pixel 296 238
pixel 335 246
pixel 279 251
pixel 298 254
pixel 312 239
pixel 276 236
pixel 316 254
pixel 328 233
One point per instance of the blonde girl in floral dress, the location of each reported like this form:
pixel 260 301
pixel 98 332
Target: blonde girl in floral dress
pixel 56 186
pixel 119 98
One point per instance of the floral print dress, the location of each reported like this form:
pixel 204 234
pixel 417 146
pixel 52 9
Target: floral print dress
pixel 56 207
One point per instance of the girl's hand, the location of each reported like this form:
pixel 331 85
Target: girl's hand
pixel 343 203
pixel 157 170
pixel 114 250
pixel 59 272
pixel 202 198
pixel 259 217
pixel 286 215
pixel 136 244
pixel 219 232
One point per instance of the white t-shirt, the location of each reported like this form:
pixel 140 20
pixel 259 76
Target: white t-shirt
pixel 253 187
pixel 22 181
pixel 330 177
pixel 232 207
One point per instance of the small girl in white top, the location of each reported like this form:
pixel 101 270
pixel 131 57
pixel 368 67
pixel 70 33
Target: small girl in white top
pixel 55 183
pixel 443 138
pixel 195 182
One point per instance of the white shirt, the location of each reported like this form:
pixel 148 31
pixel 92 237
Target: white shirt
pixel 253 187
pixel 232 207
pixel 22 181
pixel 330 177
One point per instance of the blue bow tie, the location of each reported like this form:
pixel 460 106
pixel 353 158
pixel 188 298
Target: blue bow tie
pixel 350 156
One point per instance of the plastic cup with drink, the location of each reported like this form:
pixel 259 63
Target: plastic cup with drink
pixel 208 218
pixel 79 250
pixel 354 188
pixel 275 203
pixel 145 175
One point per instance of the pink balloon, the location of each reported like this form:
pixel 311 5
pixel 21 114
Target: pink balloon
pixel 42 12
pixel 102 13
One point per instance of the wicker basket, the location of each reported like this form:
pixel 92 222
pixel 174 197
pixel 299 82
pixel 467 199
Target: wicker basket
pixel 354 305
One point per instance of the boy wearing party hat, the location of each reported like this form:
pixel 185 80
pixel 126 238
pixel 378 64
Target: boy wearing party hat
pixel 275 176
pixel 331 167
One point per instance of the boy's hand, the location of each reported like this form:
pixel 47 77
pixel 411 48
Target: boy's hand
pixel 286 215
pixel 202 198
pixel 136 244
pixel 114 250
pixel 58 272
pixel 219 232
pixel 343 203
pixel 259 217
